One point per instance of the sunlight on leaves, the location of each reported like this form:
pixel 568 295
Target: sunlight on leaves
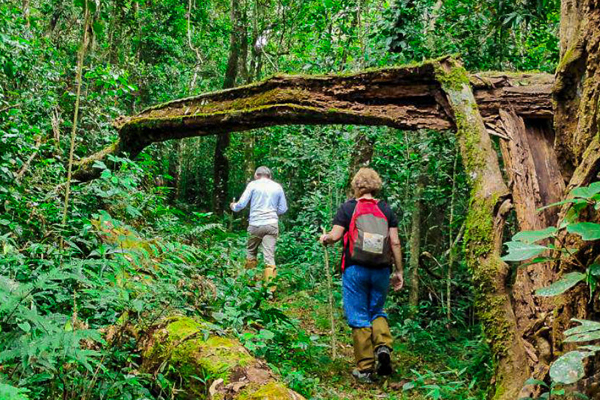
pixel 569 368
pixel 565 283
pixel 519 251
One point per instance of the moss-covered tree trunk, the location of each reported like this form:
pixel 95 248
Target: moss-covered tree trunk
pixel 489 205
pixel 208 366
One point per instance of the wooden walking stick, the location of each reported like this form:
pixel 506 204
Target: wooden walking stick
pixel 230 222
pixel 330 290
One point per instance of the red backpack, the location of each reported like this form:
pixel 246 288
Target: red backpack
pixel 367 241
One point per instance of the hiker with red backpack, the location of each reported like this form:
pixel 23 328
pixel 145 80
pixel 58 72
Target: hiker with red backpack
pixel 369 228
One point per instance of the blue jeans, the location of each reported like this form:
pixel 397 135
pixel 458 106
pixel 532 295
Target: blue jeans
pixel 364 291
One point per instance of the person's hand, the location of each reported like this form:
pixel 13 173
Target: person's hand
pixel 323 239
pixel 232 205
pixel 397 281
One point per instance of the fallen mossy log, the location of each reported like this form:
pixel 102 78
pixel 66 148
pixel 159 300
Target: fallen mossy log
pixel 405 97
pixel 206 366
pixel 202 364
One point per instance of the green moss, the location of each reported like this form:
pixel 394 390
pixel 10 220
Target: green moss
pixel 482 258
pixel 154 122
pixel 563 77
pixel 479 226
pixel 179 328
pixel 470 141
pixel 486 267
pixel 453 79
pixel 247 100
pixel 270 391
pixel 99 156
pixel 499 392
pixel 572 54
pixel 182 345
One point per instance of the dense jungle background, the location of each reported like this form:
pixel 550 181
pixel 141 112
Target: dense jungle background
pixel 90 271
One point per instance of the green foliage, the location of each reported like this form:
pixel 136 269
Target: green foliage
pixel 565 283
pixel 519 251
pixel 587 230
pixel 568 368
pixel 494 35
pixel 8 392
pixel 141 241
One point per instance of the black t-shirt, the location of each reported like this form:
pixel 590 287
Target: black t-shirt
pixel 344 216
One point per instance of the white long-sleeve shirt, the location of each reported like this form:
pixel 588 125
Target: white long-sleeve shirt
pixel 267 202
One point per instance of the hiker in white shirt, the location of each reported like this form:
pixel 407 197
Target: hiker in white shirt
pixel 267 203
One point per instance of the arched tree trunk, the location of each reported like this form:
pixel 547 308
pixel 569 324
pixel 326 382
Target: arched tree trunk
pixel 436 95
pixel 406 98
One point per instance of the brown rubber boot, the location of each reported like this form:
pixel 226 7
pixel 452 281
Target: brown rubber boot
pixel 382 342
pixel 363 349
pixel 270 274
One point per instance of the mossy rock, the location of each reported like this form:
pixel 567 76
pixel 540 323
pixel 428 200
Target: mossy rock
pixel 208 366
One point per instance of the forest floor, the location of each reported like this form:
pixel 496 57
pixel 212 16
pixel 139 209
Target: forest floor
pixel 417 375
pixel 433 359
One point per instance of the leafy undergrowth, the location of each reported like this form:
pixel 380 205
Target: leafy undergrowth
pixel 434 359
pixel 66 315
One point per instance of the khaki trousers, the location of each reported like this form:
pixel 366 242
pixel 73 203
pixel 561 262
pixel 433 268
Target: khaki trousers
pixel 265 235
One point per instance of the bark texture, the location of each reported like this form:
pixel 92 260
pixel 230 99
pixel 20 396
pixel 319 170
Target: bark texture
pixel 535 180
pixel 415 247
pixel 577 87
pixel 221 163
pixel 361 156
pixel 577 122
pixel 402 97
pixel 489 205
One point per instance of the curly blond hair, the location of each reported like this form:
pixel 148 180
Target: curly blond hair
pixel 366 181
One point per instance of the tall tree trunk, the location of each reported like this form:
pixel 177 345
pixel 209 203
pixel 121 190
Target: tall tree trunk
pixel 78 79
pixel 360 156
pixel 415 246
pixel 221 163
pixel 488 208
pixel 577 123
pixel 247 75
pixel 451 244
pixel 576 89
pixel 26 12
